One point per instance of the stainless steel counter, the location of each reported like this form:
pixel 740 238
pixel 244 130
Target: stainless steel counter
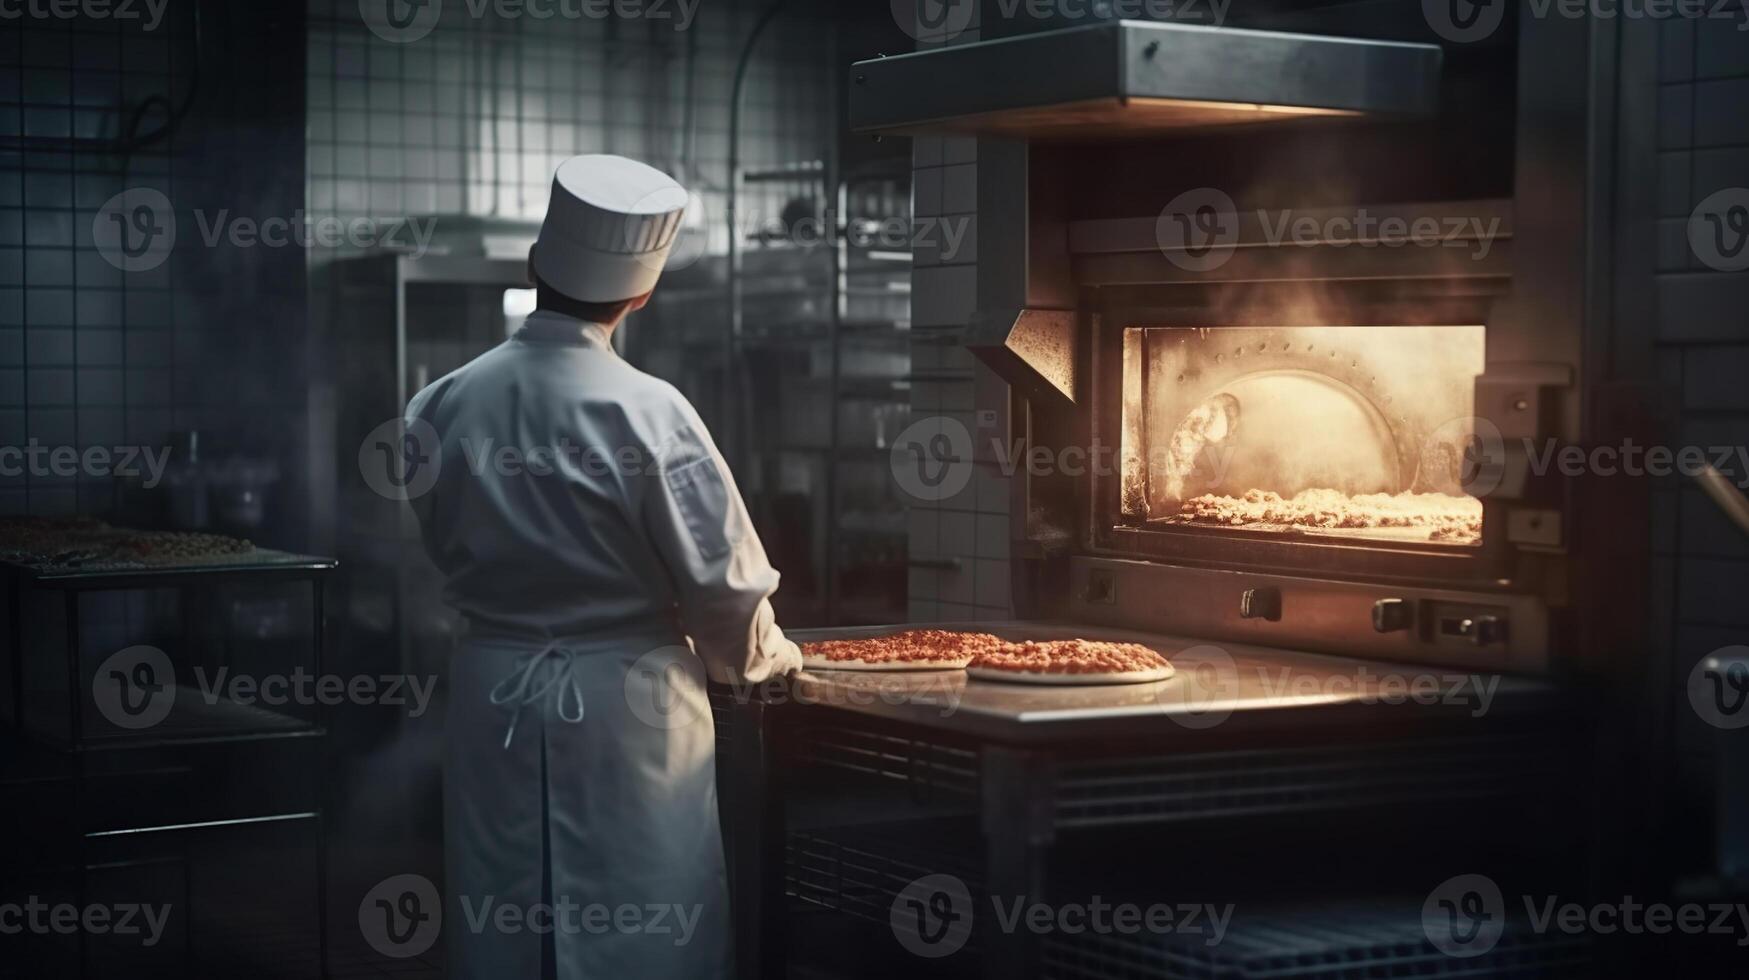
pixel 1222 688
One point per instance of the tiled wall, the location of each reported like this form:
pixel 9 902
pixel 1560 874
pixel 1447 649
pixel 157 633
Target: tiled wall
pixel 93 356
pixel 959 547
pixel 474 117
pixel 1702 561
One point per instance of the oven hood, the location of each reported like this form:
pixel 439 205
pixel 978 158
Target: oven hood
pixel 1131 78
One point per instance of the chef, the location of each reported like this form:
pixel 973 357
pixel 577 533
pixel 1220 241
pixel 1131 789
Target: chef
pixel 590 533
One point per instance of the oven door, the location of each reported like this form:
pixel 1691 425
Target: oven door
pixel 1336 438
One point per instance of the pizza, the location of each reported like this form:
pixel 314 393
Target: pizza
pixel 1070 662
pixel 921 649
pixel 81 542
pixel 1444 517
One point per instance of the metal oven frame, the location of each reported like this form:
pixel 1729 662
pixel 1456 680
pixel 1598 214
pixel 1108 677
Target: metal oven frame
pixel 1558 369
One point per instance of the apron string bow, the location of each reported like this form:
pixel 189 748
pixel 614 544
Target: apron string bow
pixel 524 693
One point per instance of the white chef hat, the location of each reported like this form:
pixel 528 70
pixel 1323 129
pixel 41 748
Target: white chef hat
pixel 609 228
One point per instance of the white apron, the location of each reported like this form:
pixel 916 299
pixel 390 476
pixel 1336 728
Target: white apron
pixel 590 811
pixel 580 810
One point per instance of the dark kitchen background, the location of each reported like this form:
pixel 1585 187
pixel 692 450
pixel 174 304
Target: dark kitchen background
pixel 257 373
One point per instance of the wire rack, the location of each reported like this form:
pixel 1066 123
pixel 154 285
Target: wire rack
pixel 860 872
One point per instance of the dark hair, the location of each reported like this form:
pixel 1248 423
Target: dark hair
pixel 548 298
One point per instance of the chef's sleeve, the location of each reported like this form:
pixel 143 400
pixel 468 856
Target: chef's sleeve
pixel 700 527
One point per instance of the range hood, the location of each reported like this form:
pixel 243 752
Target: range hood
pixel 1130 78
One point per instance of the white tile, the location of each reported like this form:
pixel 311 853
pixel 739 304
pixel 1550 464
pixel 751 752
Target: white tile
pixel 953 239
pixel 923 531
pixel 952 612
pixel 992 536
pixel 992 614
pixel 923 583
pixel 954 395
pixel 994 586
pixel 958 585
pixel 959 189
pixel 944 296
pixel 926 151
pixel 965 499
pixel 993 490
pixel 926 192
pixel 959 534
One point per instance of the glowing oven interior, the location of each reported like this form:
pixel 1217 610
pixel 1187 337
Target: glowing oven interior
pixel 1356 432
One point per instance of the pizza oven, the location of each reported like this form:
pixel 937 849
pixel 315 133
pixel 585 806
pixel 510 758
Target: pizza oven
pixel 1314 352
pixel 1354 434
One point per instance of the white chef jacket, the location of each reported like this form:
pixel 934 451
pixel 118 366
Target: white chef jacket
pixel 587 528
pixel 639 521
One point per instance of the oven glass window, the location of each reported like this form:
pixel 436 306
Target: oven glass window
pixel 1358 432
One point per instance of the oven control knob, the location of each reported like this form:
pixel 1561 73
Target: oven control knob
pixel 1264 603
pixel 1484 630
pixel 1392 615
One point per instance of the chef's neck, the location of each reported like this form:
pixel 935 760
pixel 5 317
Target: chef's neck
pixel 607 315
